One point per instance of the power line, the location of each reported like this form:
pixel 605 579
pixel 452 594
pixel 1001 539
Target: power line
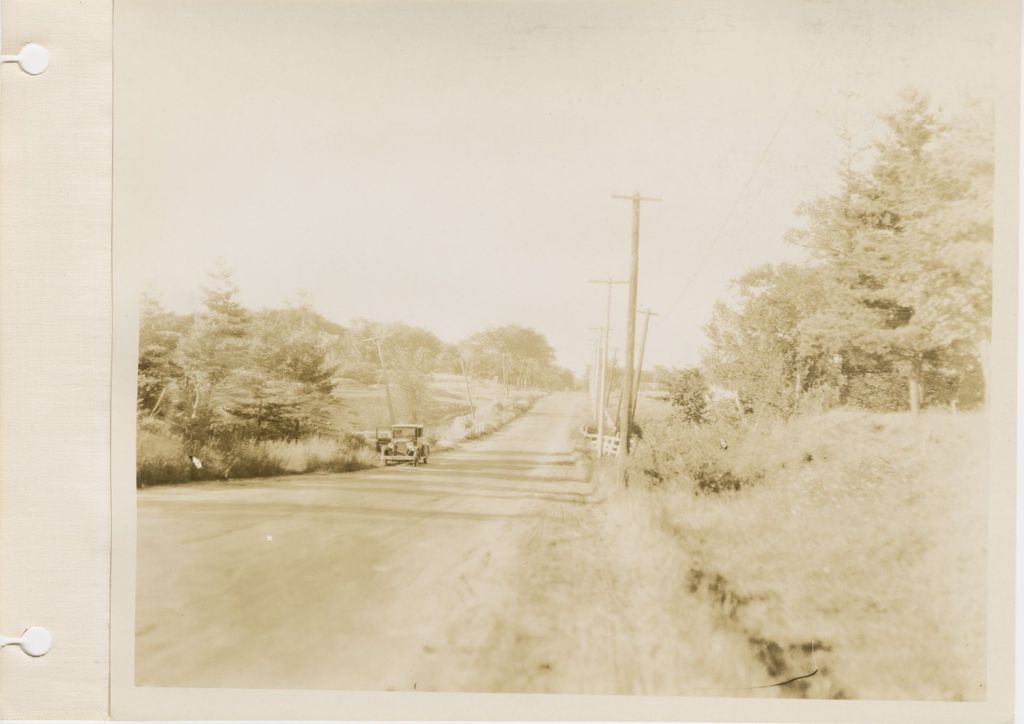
pixel 685 287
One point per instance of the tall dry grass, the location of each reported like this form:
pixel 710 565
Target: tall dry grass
pixel 850 543
pixel 161 458
pixel 488 418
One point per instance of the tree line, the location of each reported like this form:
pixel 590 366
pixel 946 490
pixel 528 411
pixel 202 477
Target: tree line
pixel 892 309
pixel 227 374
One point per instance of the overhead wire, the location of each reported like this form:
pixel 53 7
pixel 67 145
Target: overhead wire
pixel 685 287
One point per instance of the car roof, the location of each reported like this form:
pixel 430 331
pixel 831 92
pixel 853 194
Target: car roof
pixel 407 424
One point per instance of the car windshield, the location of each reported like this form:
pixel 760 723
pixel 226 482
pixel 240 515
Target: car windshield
pixel 405 433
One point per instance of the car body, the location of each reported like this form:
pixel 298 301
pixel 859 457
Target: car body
pixel 402 443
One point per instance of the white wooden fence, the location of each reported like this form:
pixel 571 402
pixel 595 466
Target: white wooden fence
pixel 611 443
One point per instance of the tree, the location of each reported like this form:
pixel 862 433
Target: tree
pixel 688 391
pixel 907 244
pixel 215 345
pixel 291 344
pixel 412 355
pixel 522 353
pixel 283 388
pixel 758 347
pixel 160 332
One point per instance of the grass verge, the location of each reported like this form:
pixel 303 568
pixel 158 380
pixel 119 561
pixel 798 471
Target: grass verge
pixel 161 458
pixel 849 544
pixel 488 419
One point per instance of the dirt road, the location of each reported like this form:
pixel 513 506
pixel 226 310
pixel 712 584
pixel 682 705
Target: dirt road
pixel 390 578
pixel 491 569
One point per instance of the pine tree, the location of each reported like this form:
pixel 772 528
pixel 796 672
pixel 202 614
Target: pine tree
pixel 907 243
pixel 160 332
pixel 216 346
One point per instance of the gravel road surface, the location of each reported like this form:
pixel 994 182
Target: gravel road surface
pixel 394 578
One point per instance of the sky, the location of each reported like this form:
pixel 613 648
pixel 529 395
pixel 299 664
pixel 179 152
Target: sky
pixel 451 164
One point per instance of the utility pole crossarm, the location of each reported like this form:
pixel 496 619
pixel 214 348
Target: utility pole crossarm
pixel 636 197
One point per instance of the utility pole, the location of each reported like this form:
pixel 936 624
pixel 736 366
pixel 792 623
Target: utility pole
pixel 379 339
pixel 504 371
pixel 627 378
pixel 469 395
pixel 604 362
pixel 640 364
pixel 610 382
pixel 595 389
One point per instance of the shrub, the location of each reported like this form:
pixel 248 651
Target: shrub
pixel 250 460
pixel 691 456
pixel 711 479
pixel 885 391
pixel 819 400
pixel 689 392
pixel 300 456
pixel 159 457
pixel 724 412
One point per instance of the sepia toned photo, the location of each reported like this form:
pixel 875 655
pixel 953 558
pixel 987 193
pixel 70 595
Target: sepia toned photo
pixel 589 348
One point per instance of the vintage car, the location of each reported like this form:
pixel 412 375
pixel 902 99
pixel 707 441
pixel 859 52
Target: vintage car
pixel 402 444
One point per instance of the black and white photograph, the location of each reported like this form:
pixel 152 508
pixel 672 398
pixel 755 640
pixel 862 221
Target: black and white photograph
pixel 549 347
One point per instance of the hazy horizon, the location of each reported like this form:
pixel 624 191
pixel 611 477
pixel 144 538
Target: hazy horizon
pixel 451 165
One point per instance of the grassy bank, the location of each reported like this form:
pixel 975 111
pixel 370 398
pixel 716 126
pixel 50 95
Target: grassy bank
pixel 487 419
pixel 849 543
pixel 162 457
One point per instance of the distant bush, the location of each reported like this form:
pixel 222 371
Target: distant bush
pixel 689 392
